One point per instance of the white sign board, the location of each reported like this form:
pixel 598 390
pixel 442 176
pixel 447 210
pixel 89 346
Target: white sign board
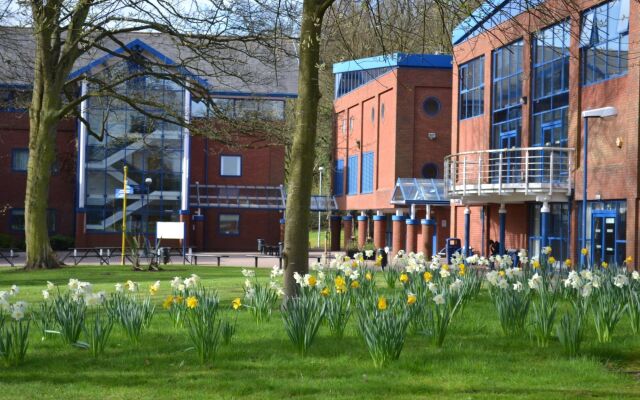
pixel 170 230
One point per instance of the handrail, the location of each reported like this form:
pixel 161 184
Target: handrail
pixel 568 149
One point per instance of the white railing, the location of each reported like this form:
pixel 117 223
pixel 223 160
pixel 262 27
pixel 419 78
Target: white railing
pixel 529 171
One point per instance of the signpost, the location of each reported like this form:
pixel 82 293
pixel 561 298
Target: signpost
pixel 121 193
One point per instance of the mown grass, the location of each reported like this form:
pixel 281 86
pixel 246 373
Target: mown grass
pixel 477 361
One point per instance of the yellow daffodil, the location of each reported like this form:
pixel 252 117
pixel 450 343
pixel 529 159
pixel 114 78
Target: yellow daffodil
pixel 568 262
pixel 605 265
pixel 628 260
pixel 551 259
pixel 536 264
pixel 236 303
pixel 411 299
pixel 166 304
pixel 153 290
pixel 378 261
pixel 445 267
pixel 585 251
pixel 502 273
pixel 427 276
pixel 178 299
pixel 382 303
pixel 368 276
pixel 355 285
pixel 341 285
pixel 461 269
pixel 312 281
pixel 325 291
pixel 404 278
pixel 192 302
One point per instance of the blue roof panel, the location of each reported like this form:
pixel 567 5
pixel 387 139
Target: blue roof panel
pixel 394 60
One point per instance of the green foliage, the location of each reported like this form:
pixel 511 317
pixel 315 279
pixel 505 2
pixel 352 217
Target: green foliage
pixel 98 331
pixel 14 341
pixel 512 307
pixel 608 307
pixel 543 313
pixel 204 325
pixel 302 317
pixel 633 307
pixel 571 333
pixel 131 313
pixel 69 315
pixel 391 275
pixel 227 330
pixel 60 242
pixel 383 328
pixel 337 312
pixel 45 318
pixel 261 299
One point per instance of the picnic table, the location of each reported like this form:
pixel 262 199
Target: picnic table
pixel 8 255
pixel 194 257
pixel 103 254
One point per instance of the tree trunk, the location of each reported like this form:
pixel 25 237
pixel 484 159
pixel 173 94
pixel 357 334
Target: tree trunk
pixel 43 125
pixel 296 238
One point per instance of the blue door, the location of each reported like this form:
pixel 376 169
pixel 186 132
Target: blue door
pixel 604 225
pixel 510 159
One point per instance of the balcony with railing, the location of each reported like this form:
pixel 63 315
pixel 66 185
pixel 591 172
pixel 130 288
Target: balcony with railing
pixel 510 175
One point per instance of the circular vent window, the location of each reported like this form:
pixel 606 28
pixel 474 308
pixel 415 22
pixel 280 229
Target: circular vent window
pixel 431 106
pixel 429 171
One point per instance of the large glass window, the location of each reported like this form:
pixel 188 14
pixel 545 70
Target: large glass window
pixel 558 234
pixel 229 224
pixel 352 175
pixel 16 219
pixel 367 172
pixel 149 147
pixel 606 233
pixel 604 41
pixel 230 165
pixel 338 178
pixel 249 108
pixel 471 99
pixel 19 159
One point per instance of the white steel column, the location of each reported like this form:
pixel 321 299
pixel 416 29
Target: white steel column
pixel 82 148
pixel 186 149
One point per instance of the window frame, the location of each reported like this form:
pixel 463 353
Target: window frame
pixel 239 157
pixel 220 232
pixel 14 151
pixel 352 190
pixel 366 189
pixel 478 64
pixel 51 217
pixel 338 178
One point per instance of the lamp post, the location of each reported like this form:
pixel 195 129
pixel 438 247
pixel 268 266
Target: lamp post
pixel 148 181
pixel 593 113
pixel 320 169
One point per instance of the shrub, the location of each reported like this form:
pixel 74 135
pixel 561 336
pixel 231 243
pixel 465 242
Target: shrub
pixel 60 242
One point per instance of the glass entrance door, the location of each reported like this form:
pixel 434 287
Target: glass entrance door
pixel 510 159
pixel 603 234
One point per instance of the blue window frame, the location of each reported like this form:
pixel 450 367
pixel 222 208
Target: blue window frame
pixel 19 160
pixel 230 165
pixel 471 84
pixel 229 224
pixel 367 172
pixel 338 178
pixel 604 41
pixel 352 175
pixel 606 231
pixel 559 229
pixel 507 92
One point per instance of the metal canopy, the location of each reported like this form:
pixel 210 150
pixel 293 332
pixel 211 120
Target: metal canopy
pixel 419 191
pixel 250 197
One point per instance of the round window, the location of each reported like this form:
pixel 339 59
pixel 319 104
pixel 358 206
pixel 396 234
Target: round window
pixel 431 106
pixel 429 171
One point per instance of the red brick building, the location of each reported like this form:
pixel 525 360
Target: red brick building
pixel 531 81
pixel 392 131
pixel 227 195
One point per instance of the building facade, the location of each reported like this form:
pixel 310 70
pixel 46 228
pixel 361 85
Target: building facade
pixel 392 130
pixel 172 175
pixel 545 109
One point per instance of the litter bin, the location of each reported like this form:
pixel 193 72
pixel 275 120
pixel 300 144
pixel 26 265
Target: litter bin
pixel 384 260
pixel 453 245
pixel 260 245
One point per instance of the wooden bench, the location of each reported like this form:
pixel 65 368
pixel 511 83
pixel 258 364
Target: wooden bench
pixel 8 255
pixel 194 257
pixel 258 256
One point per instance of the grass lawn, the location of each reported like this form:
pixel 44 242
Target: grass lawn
pixel 477 361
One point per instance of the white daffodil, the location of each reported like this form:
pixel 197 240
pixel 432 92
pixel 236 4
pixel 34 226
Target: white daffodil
pixel 17 314
pixel 455 286
pixel 119 287
pixel 298 278
pixel 444 273
pixel 176 282
pixel 635 275
pixel 438 299
pixel 21 305
pixel 368 253
pixel 535 282
pixel 50 286
pixel 14 290
pixel 386 249
pixel 586 290
pixel 503 284
pixel 73 284
pixel 492 277
pixel 432 287
pixel 45 294
pixel 131 286
pixel 247 273
pixel 621 280
pixel 518 287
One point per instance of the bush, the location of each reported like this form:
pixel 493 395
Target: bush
pixel 60 242
pixel 6 241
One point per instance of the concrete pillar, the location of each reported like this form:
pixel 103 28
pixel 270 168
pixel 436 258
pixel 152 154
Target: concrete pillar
pixel 412 235
pixel 363 223
pixel 428 228
pixel 502 214
pixel 467 228
pixel 398 232
pixel 347 226
pixel 334 226
pixel 545 212
pixel 379 230
pixel 282 227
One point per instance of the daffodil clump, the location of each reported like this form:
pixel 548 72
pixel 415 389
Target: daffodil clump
pixel 14 327
pixel 511 296
pixel 302 315
pixel 203 322
pixel 176 303
pixel 261 298
pixel 132 308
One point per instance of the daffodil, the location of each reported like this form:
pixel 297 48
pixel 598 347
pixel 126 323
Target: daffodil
pixel 168 302
pixel 355 284
pixel 461 269
pixel 368 276
pixel 535 264
pixel 411 299
pixel 605 265
pixel 502 273
pixel 236 303
pixel 341 285
pixel 568 262
pixel 404 278
pixel 312 281
pixel 551 260
pixel 584 251
pixel 192 302
pixel 325 291
pixel 382 303
pixel 427 276
pixel 628 260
